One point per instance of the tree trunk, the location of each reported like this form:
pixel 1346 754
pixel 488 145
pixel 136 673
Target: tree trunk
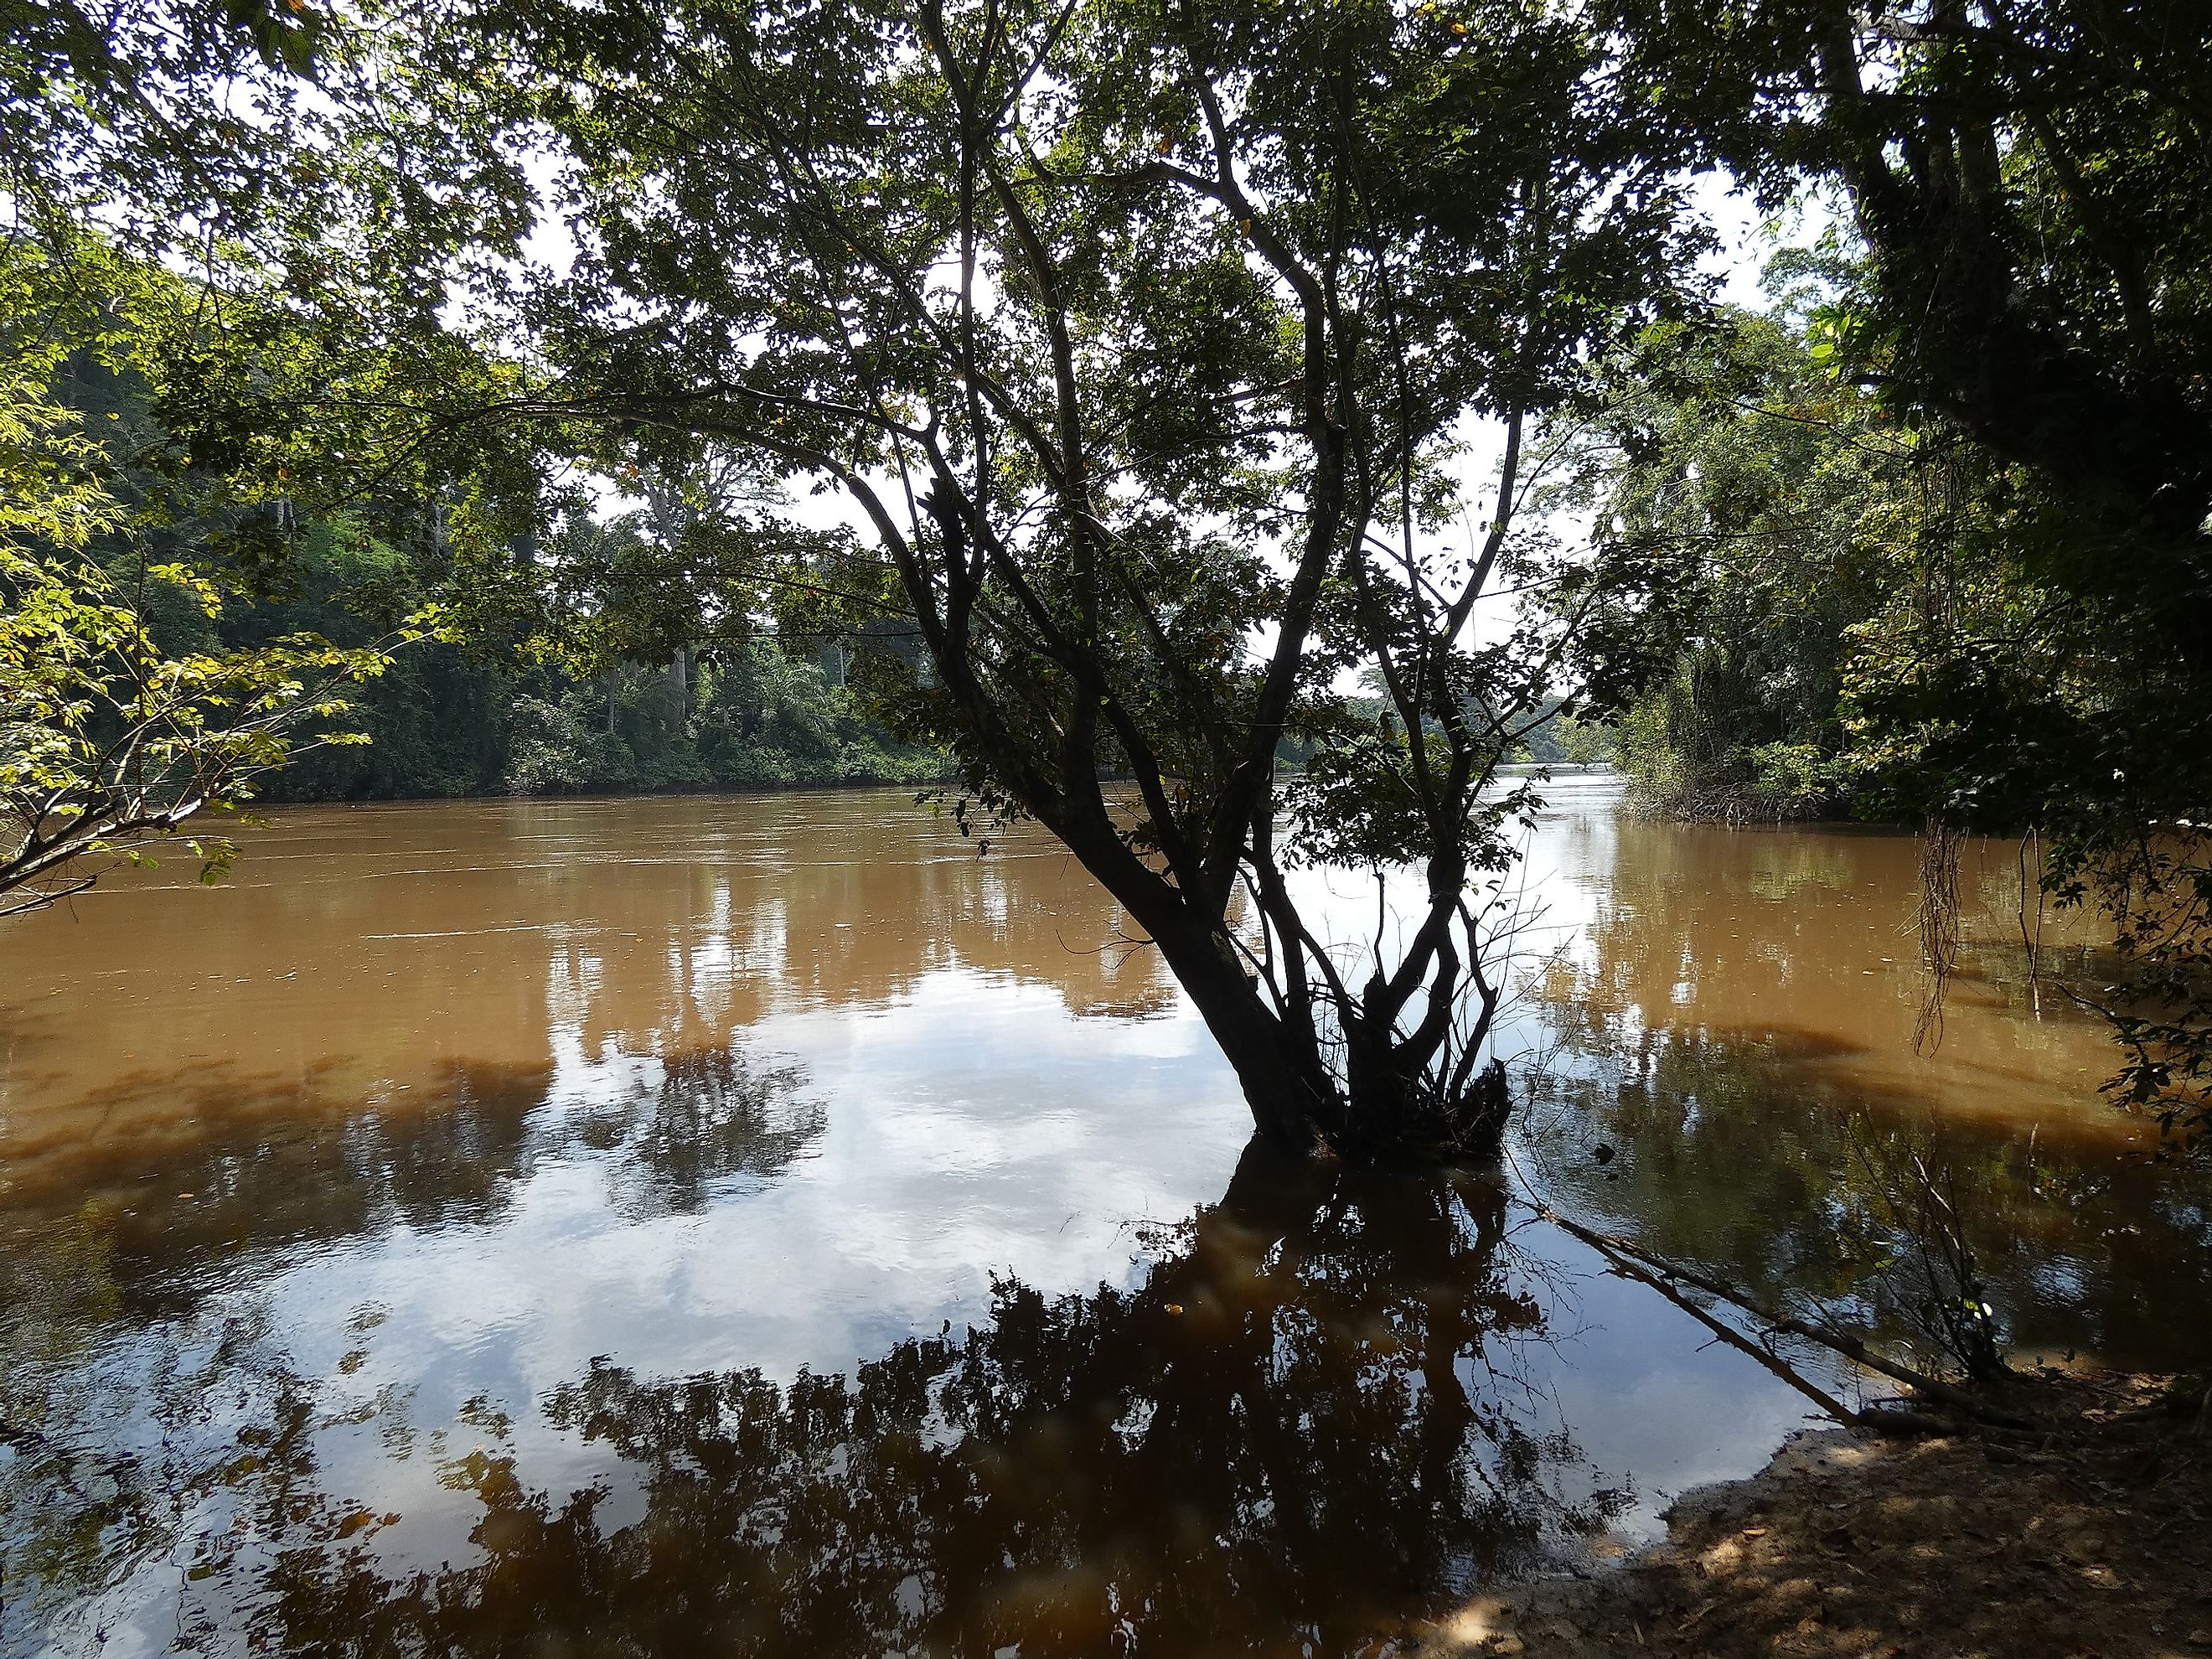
pixel 1373 1112
pixel 1293 1104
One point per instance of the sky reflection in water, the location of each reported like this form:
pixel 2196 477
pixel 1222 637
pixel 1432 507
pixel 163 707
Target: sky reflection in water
pixel 761 1222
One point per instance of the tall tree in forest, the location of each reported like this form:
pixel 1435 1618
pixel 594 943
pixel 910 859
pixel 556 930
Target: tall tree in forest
pixel 2028 178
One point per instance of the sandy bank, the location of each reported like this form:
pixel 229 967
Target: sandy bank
pixel 2090 1537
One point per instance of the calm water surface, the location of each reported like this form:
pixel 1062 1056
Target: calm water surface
pixel 759 1225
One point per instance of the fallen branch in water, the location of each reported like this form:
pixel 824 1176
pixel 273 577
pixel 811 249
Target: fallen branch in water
pixel 1656 1272
pixel 1827 1402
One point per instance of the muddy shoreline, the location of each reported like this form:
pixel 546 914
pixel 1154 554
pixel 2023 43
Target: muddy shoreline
pixel 2088 1538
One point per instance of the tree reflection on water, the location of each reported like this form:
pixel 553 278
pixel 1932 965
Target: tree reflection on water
pixel 293 1341
pixel 1302 1422
pixel 1314 1409
pixel 147 1408
pixel 1770 1160
pixel 712 1120
pixel 1306 1417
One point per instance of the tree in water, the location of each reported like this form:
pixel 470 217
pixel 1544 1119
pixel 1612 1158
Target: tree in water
pixel 1149 345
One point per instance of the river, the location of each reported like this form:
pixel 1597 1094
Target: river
pixel 762 1224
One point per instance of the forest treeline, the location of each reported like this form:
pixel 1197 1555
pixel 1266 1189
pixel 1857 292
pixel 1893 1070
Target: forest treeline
pixel 499 708
pixel 1756 677
pixel 451 718
pixel 478 710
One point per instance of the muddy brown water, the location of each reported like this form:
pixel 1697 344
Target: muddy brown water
pixel 761 1225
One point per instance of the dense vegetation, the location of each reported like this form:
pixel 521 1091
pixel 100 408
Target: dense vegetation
pixel 1151 349
pixel 496 707
pixel 1846 610
pixel 449 718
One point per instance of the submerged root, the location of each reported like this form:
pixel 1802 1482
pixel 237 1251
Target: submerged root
pixel 1433 1126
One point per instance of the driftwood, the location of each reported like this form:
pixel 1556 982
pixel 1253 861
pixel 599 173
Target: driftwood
pixel 1635 1263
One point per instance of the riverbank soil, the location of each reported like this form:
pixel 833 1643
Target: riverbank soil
pixel 2088 1538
